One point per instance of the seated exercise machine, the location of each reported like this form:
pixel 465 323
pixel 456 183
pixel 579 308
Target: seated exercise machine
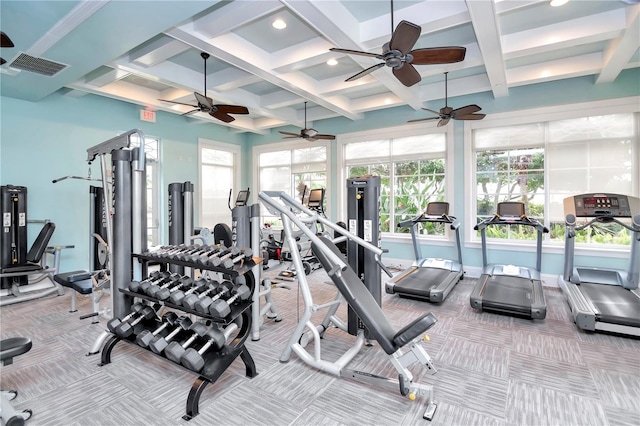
pixel 404 347
pixel 9 349
pixel 602 299
pixel 22 275
pixel 429 278
pixel 510 289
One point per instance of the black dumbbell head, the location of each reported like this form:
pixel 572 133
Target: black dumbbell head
pixel 115 322
pixel 144 338
pixel 175 350
pixel 126 328
pixel 193 360
pixel 159 343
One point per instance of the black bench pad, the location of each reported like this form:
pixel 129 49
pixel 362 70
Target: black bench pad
pixel 14 346
pixel 414 329
pixel 79 281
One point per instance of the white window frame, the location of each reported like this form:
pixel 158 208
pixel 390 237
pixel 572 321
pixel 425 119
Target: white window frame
pixel 398 132
pixel 237 166
pixel 537 115
pixel 256 151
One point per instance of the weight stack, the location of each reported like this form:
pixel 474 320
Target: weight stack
pixel 13 239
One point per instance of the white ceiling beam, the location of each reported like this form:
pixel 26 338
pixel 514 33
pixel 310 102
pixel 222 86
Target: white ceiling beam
pixel 106 78
pixel 232 15
pixel 157 51
pixel 239 53
pixel 487 29
pixel 622 49
pixel 334 22
pixel 576 66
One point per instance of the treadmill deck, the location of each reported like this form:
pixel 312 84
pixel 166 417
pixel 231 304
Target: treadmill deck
pixel 615 304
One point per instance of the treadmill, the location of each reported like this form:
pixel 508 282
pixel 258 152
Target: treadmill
pixel 430 279
pixel 602 299
pixel 510 289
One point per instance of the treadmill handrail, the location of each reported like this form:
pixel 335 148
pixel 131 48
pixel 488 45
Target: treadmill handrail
pixel 423 218
pixel 511 220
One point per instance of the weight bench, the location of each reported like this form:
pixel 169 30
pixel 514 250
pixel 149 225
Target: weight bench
pixel 10 348
pixel 81 282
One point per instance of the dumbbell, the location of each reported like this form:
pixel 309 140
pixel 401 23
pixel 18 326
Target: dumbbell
pixel 145 284
pixel 134 286
pixel 187 256
pixel 153 289
pixel 175 350
pixel 144 338
pixel 245 254
pixel 170 250
pixel 216 261
pixel 126 328
pixel 190 300
pixel 187 251
pixel 202 305
pixel 159 343
pixel 165 293
pixel 115 322
pixel 215 339
pixel 206 260
pixel 205 254
pixel 222 308
pixel 177 297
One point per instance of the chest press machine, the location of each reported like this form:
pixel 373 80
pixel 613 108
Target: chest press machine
pixel 403 347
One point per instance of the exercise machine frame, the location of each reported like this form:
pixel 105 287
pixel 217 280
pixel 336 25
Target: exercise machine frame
pixel 404 349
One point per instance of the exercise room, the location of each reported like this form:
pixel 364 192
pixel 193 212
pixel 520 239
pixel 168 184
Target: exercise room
pixel 336 212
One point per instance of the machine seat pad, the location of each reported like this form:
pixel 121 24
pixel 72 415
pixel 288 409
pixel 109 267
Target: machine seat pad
pixel 358 297
pixel 79 281
pixel 25 267
pixel 14 346
pixel 414 329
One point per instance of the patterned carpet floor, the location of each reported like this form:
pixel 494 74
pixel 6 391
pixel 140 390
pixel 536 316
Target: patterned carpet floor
pixel 492 369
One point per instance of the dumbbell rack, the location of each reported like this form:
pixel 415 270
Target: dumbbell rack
pixel 215 362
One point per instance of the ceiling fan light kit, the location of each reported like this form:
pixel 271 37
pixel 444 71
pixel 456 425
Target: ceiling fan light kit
pixel 205 104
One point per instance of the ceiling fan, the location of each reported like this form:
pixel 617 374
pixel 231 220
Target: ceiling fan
pixel 5 41
pixel 447 113
pixel 398 55
pixel 310 135
pixel 205 104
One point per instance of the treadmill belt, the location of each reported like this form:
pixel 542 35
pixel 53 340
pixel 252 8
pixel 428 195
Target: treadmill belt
pixel 421 281
pixel 616 304
pixel 508 294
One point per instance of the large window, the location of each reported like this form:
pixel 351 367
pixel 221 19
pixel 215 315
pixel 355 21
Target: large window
pixel 291 168
pixel 412 170
pixel 542 163
pixel 219 166
pixel 152 168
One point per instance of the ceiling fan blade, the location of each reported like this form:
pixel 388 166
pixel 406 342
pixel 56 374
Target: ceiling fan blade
pixel 325 137
pixel 5 41
pixel 432 111
pixel 222 116
pixel 407 74
pixel 438 55
pixel 470 117
pixel 405 36
pixel 2 61
pixel 232 109
pixel 365 72
pixel 297 135
pixel 443 122
pixel 469 109
pixel 423 119
pixel 203 100
pixel 179 103
pixel 192 111
pixel 292 137
pixel 356 52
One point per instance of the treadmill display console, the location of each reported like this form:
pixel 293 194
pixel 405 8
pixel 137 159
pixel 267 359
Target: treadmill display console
pixel 597 205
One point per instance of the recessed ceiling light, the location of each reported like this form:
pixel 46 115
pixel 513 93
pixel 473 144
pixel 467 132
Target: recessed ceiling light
pixel 279 24
pixel 332 62
pixel 556 3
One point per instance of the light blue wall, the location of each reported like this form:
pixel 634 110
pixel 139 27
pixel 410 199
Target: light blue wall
pixel 48 139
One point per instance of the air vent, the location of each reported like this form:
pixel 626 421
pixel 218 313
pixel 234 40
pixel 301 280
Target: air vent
pixel 38 65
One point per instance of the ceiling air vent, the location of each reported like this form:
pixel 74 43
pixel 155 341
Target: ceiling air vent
pixel 38 65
